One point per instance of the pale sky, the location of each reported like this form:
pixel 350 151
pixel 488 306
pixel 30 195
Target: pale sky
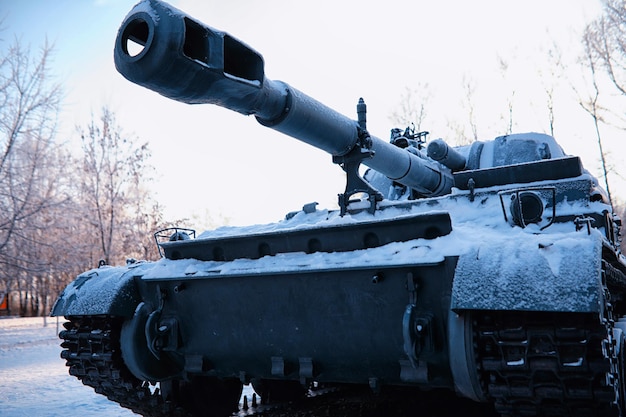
pixel 210 159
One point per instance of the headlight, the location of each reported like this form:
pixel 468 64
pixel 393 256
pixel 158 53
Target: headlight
pixel 526 207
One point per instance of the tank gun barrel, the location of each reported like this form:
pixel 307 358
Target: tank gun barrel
pixel 163 49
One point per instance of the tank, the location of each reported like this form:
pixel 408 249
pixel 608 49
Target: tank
pixel 489 273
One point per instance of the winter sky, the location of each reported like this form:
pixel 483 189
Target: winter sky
pixel 210 160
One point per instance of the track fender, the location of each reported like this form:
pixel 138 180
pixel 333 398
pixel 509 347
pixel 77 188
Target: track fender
pixel 541 272
pixel 106 290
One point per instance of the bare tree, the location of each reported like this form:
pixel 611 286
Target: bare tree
pixel 550 80
pixel 591 103
pixel 458 128
pixel 469 88
pixel 137 235
pixel 413 107
pixel 510 101
pixel 604 44
pixel 607 41
pixel 29 105
pixel 114 172
pixel 29 169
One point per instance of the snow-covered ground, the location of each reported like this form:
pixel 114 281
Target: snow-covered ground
pixel 34 380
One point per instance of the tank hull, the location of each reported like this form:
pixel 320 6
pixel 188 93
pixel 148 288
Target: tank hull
pixel 309 325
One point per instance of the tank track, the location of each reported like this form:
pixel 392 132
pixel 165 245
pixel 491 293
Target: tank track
pixel 91 351
pixel 546 364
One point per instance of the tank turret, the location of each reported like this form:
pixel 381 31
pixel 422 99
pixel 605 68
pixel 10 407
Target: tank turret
pixel 487 275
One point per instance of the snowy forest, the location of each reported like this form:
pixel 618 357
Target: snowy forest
pixel 65 209
pixel 62 211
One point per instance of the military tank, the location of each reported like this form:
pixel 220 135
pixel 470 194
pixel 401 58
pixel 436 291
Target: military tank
pixel 490 271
